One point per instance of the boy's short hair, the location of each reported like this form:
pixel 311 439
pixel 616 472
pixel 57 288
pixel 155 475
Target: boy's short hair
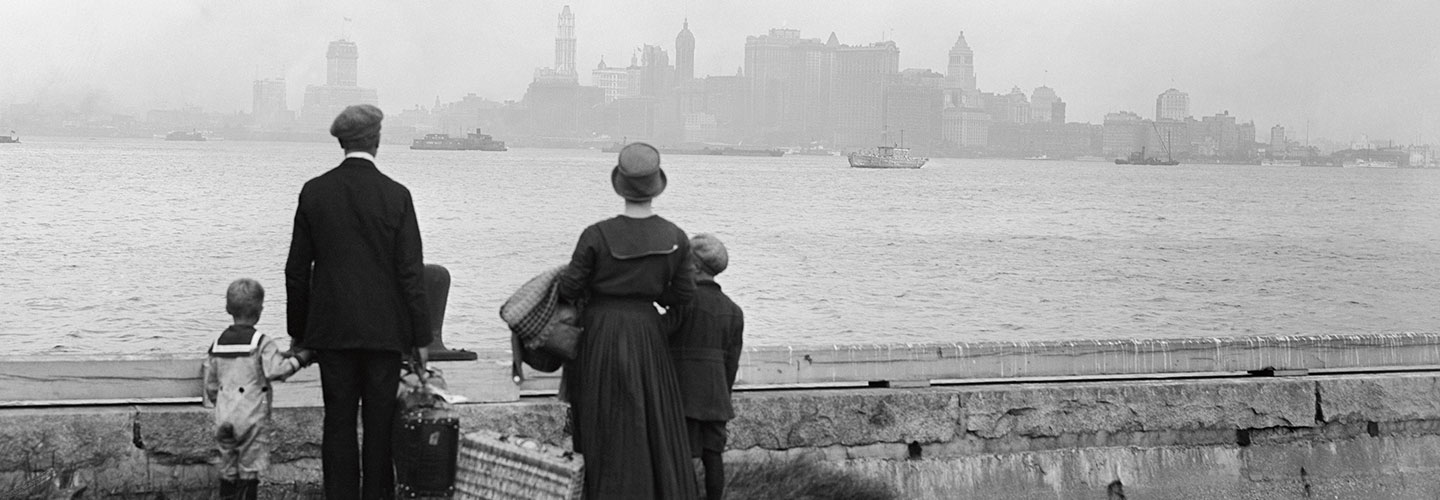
pixel 245 298
pixel 709 254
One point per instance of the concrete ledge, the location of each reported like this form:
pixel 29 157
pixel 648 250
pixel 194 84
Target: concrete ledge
pixel 27 381
pixel 1357 436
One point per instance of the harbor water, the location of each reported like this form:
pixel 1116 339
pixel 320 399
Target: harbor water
pixel 125 246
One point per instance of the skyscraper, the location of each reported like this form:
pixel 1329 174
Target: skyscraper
pixel 341 89
pixel 564 72
pixel 342 64
pixel 614 81
pixel 1042 105
pixel 963 122
pixel 1125 132
pixel 1172 105
pixel 961 70
pixel 862 74
pixel 268 107
pixel 913 106
pixel 685 54
pixel 789 85
pixel 565 44
pixel 1277 140
pixel 654 72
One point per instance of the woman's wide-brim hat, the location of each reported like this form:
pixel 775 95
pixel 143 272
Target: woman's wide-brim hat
pixel 637 175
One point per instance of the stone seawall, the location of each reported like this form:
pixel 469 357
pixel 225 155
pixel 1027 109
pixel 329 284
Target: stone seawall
pixel 1336 436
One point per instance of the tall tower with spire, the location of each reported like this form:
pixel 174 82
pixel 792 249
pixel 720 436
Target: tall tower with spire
pixel 685 54
pixel 961 70
pixel 565 44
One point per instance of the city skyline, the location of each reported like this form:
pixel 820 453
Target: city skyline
pixel 1321 70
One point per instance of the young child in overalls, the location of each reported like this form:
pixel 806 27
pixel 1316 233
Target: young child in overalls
pixel 705 345
pixel 237 374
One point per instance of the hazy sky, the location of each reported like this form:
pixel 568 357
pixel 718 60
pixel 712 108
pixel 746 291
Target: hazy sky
pixel 1342 68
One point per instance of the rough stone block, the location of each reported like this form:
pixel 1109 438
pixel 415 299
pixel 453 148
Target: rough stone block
pixel 176 435
pixel 1301 460
pixel 848 417
pixel 1051 410
pixel 1084 473
pixel 64 438
pixel 298 434
pixel 1380 398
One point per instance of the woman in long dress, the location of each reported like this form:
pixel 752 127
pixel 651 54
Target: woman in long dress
pixel 628 419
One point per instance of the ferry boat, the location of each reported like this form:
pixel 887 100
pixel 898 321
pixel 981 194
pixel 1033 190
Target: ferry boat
pixel 814 151
pixel 184 136
pixel 1364 163
pixel 1280 162
pixel 474 141
pixel 886 157
pixel 10 139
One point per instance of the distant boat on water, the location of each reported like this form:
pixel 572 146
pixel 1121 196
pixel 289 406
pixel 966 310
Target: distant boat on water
pixel 474 141
pixel 184 136
pixel 887 157
pixel 1366 163
pixel 1139 158
pixel 814 151
pixel 705 150
pixel 724 151
pixel 10 139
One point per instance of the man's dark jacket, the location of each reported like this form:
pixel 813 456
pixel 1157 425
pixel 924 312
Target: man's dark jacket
pixel 357 228
pixel 705 344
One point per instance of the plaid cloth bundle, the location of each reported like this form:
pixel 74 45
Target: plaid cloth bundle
pixel 530 308
pixel 544 332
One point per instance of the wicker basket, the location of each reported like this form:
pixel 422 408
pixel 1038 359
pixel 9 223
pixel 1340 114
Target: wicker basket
pixel 494 466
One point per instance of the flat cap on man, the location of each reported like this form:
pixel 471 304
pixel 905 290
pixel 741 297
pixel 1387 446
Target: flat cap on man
pixel 357 122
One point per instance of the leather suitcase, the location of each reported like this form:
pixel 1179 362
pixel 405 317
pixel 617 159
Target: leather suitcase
pixel 426 450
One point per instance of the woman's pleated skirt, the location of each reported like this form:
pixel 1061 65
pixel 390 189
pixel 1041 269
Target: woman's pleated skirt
pixel 628 420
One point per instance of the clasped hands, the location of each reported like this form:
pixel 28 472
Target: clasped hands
pixel 304 356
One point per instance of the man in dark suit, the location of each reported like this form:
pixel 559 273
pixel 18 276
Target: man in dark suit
pixel 356 298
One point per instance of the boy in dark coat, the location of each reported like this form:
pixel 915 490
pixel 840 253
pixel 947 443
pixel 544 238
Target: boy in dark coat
pixel 706 346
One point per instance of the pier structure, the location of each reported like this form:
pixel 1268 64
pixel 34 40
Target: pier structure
pixel 1323 416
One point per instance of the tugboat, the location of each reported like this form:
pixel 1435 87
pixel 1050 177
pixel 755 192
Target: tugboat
pixel 10 139
pixel 474 141
pixel 1139 158
pixel 887 157
pixel 184 136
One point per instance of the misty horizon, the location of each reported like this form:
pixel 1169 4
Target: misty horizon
pixel 1330 71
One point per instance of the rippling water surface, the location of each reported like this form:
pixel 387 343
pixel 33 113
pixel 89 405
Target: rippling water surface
pixel 126 246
